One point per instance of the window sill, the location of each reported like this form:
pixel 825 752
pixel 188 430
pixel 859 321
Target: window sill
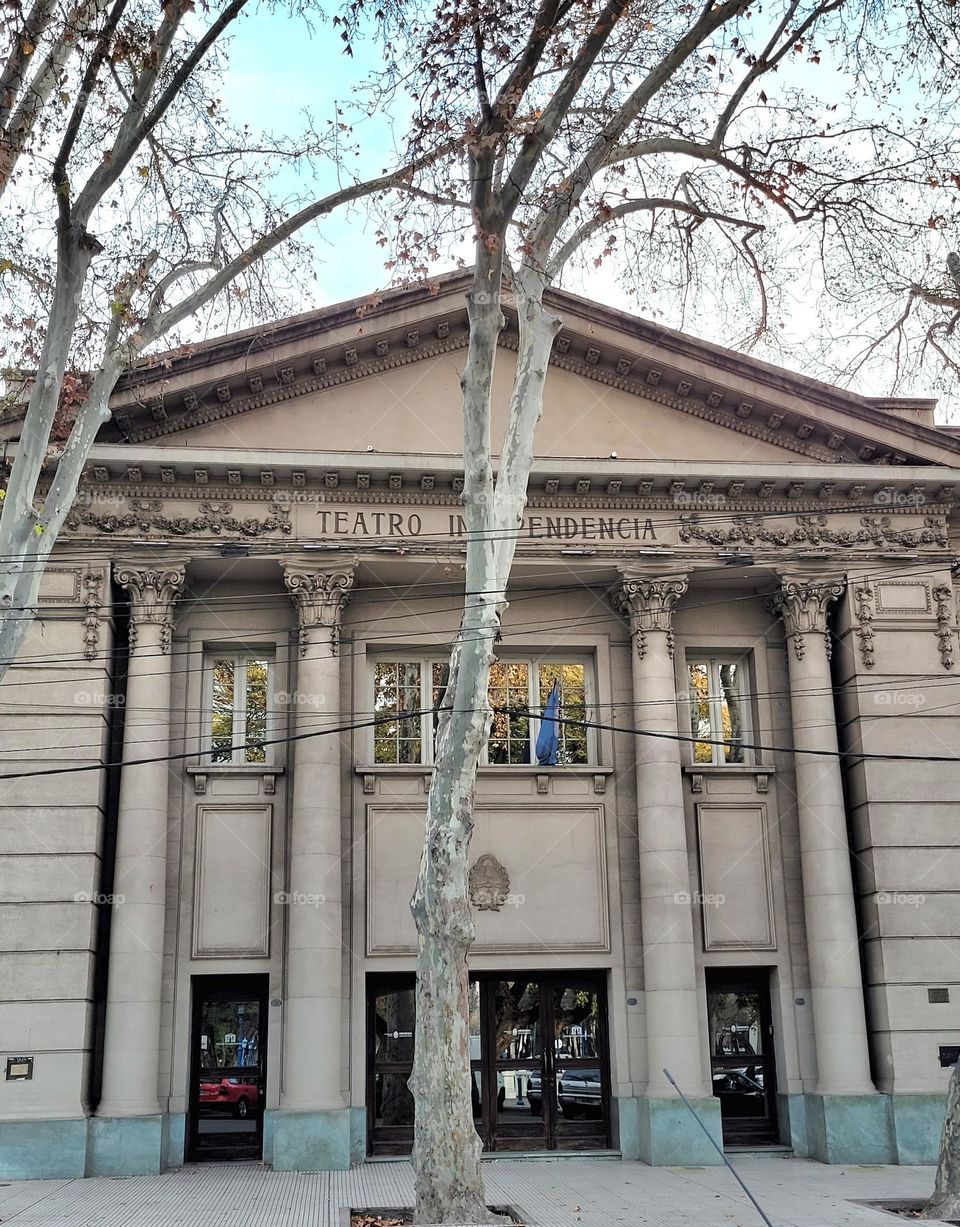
pixel 201 772
pixel 517 770
pixel 697 772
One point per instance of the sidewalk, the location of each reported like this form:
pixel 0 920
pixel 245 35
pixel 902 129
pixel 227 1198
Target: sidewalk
pixel 566 1192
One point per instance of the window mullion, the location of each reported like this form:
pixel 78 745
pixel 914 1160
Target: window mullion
pixel 533 704
pixel 716 714
pixel 239 711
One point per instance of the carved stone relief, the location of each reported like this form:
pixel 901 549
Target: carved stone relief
pixel 489 884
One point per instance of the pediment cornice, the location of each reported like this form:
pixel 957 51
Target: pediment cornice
pixel 685 375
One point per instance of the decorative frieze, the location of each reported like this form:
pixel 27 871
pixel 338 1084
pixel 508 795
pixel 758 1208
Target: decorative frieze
pixel 876 531
pixel 213 519
pixel 152 591
pixel 803 605
pixel 320 598
pixel 648 604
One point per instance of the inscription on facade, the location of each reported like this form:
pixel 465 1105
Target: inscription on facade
pixel 368 523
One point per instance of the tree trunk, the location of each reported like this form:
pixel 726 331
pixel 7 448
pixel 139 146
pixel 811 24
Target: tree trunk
pixel 446 1154
pixel 19 517
pixel 945 1202
pixel 20 580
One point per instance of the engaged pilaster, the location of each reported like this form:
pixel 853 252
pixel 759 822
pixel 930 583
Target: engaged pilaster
pixel 672 1001
pixel 132 1038
pixel 313 1040
pixel 832 936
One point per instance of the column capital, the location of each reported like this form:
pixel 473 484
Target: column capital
pixel 648 602
pixel 320 596
pixel 802 602
pixel 153 588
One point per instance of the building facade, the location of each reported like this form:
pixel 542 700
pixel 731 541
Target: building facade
pixel 734 858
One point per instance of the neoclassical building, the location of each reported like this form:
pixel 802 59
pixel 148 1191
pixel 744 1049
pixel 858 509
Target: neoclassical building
pixel 734 858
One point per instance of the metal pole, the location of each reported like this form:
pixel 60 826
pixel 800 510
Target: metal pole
pixel 718 1149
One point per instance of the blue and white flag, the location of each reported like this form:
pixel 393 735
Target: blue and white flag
pixel 548 739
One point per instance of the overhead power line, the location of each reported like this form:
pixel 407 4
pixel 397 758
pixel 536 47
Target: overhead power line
pixel 845 755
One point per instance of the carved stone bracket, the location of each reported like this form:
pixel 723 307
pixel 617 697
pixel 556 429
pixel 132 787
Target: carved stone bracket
pixel 320 598
pixel 648 605
pixel 803 604
pixel 863 609
pixel 943 596
pixel 152 592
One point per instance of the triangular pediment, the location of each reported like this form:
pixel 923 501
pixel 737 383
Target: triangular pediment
pixel 384 378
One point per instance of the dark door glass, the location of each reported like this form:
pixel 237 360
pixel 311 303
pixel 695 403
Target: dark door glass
pixel 393 1021
pixel 228 1082
pixel 579 1068
pixel 741 1059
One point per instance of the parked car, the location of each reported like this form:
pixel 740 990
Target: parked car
pixel 579 1094
pixel 241 1096
pixel 736 1082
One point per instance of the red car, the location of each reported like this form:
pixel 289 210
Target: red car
pixel 239 1095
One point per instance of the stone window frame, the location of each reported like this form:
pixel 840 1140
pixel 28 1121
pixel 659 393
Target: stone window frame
pixel 714 658
pixel 240 657
pixel 426 662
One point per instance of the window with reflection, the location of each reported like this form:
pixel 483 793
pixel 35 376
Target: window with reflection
pixel 541 709
pixel 718 690
pixel 239 694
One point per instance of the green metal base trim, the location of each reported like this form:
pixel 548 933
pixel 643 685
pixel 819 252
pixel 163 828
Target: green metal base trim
pixel 626 1126
pixel 668 1136
pixel 358 1134
pixel 124 1145
pixel 310 1141
pixel 917 1125
pixel 792 1119
pixel 43 1149
pixel 850 1129
pixel 173 1150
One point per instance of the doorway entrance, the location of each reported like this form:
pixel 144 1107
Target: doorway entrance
pixel 742 1060
pixel 228 1051
pixel 539 1052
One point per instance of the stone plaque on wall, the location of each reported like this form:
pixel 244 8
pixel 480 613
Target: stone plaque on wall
pixel 736 900
pixel 556 897
pixel 231 906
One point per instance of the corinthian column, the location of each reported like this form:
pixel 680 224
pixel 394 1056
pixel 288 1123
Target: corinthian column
pixel 671 997
pixel 313 1041
pixel 836 986
pixel 132 1039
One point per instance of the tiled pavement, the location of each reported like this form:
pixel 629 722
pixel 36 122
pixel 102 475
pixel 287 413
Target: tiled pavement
pixel 564 1192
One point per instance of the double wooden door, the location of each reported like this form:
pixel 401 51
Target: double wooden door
pixel 539 1059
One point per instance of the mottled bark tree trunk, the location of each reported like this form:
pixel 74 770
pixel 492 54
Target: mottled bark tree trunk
pixel 945 1202
pixel 446 1155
